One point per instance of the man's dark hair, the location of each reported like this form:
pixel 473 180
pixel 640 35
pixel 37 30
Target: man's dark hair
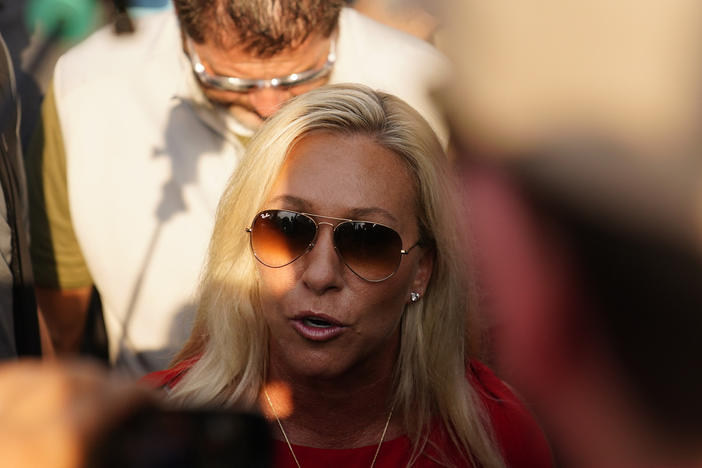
pixel 262 27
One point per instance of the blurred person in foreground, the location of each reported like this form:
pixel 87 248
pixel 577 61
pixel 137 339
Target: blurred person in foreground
pixel 76 414
pixel 53 413
pixel 590 279
pixel 135 149
pixel 334 298
pixel 583 185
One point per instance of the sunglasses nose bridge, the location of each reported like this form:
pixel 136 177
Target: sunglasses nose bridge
pixel 323 259
pixel 333 227
pixel 317 232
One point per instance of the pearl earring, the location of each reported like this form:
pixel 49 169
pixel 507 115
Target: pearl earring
pixel 414 296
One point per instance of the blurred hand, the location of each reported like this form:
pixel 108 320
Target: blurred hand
pixel 52 412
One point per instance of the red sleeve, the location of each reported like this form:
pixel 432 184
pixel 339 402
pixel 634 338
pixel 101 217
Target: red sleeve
pixel 520 437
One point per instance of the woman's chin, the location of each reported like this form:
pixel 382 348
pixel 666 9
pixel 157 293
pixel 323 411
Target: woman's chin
pixel 315 365
pixel 313 360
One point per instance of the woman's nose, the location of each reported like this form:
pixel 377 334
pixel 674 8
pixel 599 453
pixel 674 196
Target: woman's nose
pixel 323 266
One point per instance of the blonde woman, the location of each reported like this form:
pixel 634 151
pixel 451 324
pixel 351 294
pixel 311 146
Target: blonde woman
pixel 334 299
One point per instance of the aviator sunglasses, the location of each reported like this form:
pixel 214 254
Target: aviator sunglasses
pixel 371 250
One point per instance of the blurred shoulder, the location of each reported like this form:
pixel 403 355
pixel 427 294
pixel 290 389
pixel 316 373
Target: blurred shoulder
pixel 155 41
pixel 377 43
pixel 356 21
pixel 393 61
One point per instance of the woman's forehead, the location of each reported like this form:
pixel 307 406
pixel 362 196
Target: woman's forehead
pixel 346 173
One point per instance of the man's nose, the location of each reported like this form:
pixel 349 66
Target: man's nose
pixel 267 101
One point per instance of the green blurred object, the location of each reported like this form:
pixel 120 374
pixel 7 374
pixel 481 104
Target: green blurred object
pixel 68 19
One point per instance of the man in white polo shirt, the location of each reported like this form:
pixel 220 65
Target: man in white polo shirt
pixel 140 133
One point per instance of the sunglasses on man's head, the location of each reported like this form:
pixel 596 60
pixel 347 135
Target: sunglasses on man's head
pixel 371 250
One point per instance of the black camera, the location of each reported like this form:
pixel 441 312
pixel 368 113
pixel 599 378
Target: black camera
pixel 212 438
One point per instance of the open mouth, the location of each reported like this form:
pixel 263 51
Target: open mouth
pixel 317 322
pixel 318 327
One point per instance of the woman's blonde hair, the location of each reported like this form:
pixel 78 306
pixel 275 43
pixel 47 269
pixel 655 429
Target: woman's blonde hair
pixel 229 342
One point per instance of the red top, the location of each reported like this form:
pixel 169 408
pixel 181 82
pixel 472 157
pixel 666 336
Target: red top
pixel 520 438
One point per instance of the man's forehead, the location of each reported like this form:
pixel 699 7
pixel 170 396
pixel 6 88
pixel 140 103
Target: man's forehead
pixel 257 45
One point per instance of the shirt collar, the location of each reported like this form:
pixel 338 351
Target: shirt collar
pixel 217 118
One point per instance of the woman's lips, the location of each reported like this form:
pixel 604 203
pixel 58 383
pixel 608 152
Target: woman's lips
pixel 317 327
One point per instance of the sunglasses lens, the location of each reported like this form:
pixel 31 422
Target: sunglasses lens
pixel 279 237
pixel 371 250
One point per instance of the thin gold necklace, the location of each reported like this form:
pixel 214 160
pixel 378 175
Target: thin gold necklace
pixel 292 452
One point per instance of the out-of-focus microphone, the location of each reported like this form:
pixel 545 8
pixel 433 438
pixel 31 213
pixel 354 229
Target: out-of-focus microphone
pixel 66 19
pixel 56 20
